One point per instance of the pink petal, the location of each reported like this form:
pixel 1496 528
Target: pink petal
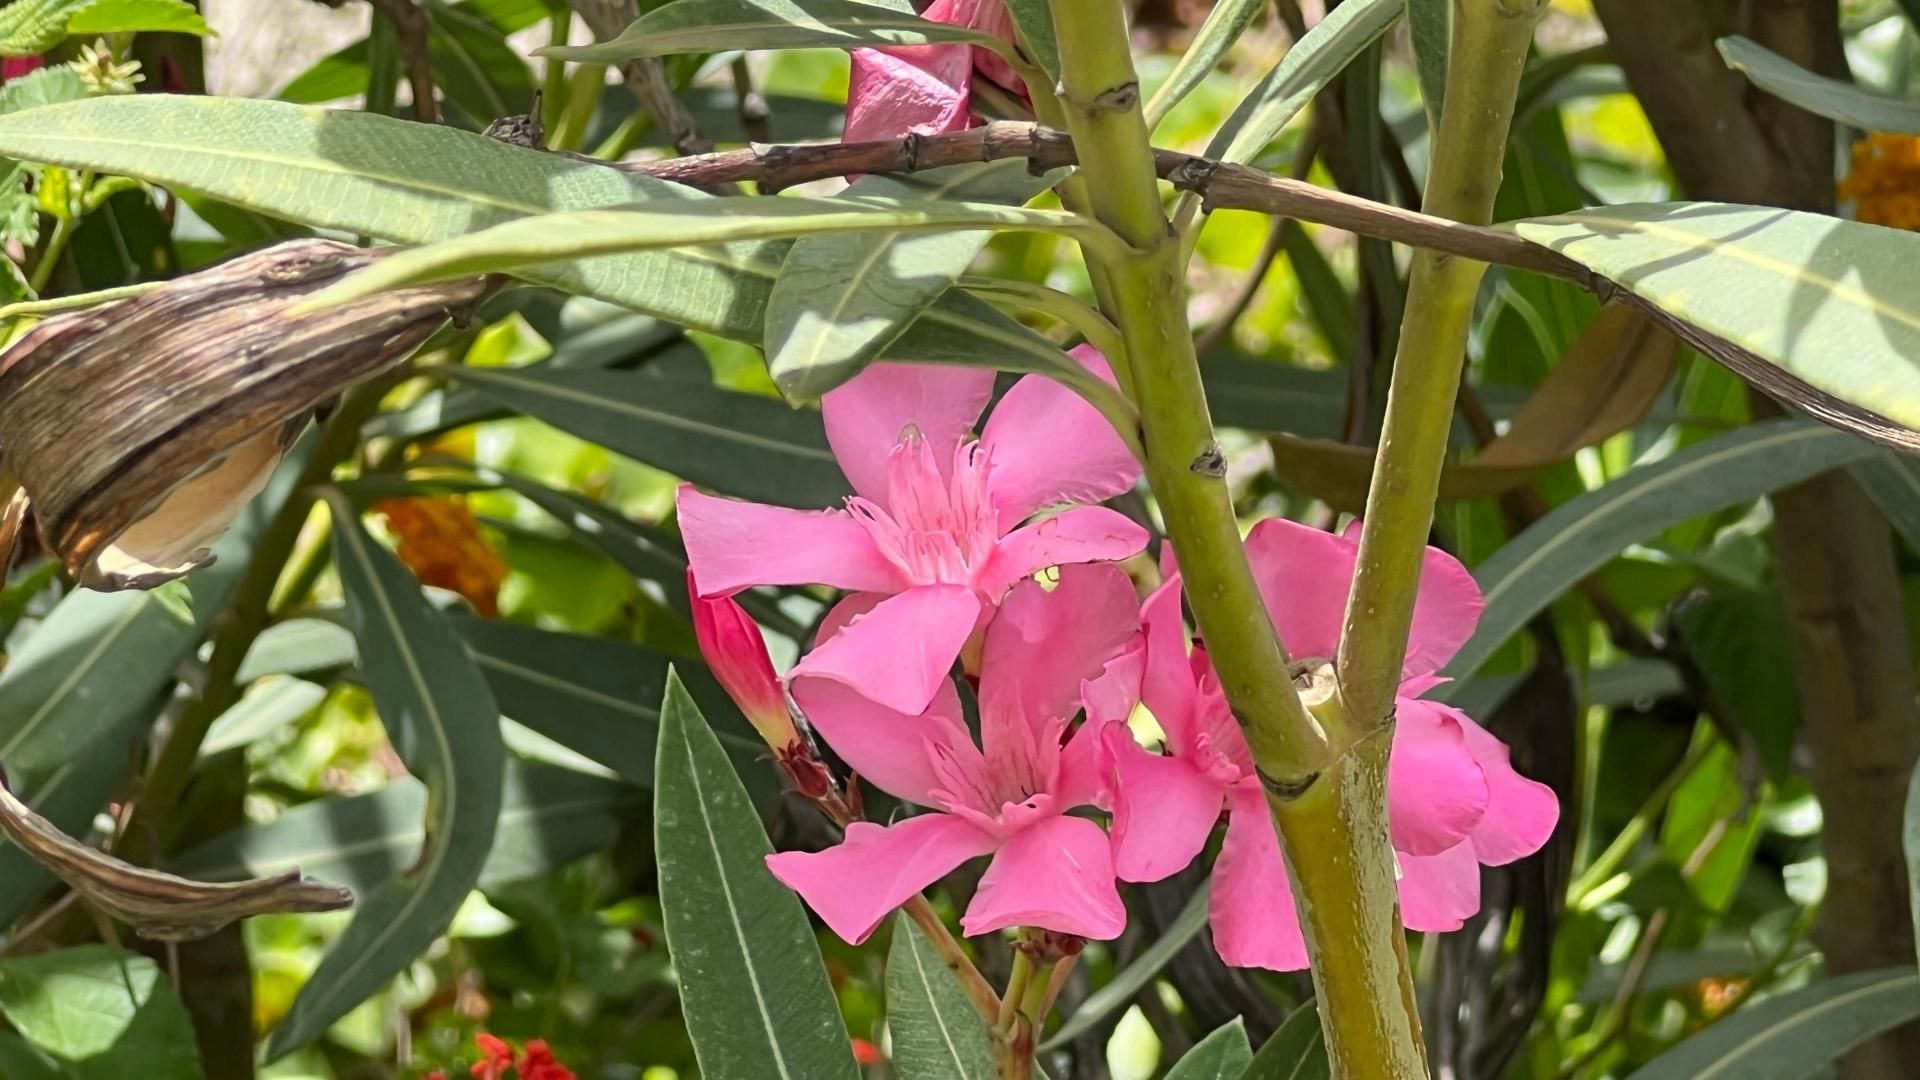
pixel 867 415
pixel 991 16
pixel 1520 812
pixel 1084 775
pixel 1167 687
pixel 849 608
pixel 922 90
pixel 1255 922
pixel 1055 874
pixel 1087 534
pixel 892 750
pixel 1046 642
pixel 1445 611
pixel 1304 575
pixel 1436 792
pixel 1050 447
pixel 1439 892
pixel 899 653
pixel 853 885
pixel 1163 810
pixel 732 545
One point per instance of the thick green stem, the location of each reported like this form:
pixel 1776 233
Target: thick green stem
pixel 1490 39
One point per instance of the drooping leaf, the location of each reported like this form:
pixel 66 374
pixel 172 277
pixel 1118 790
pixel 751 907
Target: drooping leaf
pixel 1296 1051
pixel 752 984
pixel 443 723
pixel 665 223
pixel 549 816
pixel 1129 980
pixel 1224 25
pixel 706 26
pixel 101 1013
pixel 1581 535
pixel 841 300
pixel 1224 1054
pixel 1312 61
pixel 135 16
pixel 1793 1036
pixel 936 1034
pixel 1846 102
pixel 740 444
pixel 1816 309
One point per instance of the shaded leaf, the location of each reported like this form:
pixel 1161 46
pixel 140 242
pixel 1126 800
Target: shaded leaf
pixel 707 26
pixel 752 985
pixel 1893 482
pixel 1742 642
pixel 1846 102
pixel 474 65
pixel 262 710
pixel 443 723
pixel 1794 1035
pixel 103 1014
pixel 935 1032
pixel 298 647
pixel 1033 23
pixel 1224 1054
pixel 741 444
pixel 1312 61
pixel 1432 24
pixel 1581 535
pixel 1119 992
pixel 1295 1052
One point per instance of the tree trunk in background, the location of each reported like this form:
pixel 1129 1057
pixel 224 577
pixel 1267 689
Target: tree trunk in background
pixel 1729 142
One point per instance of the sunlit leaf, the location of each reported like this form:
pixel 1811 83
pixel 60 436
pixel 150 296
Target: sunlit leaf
pixel 1225 23
pixel 705 26
pixel 1312 61
pixel 132 16
pixel 101 1013
pixel 936 1032
pixel 1843 101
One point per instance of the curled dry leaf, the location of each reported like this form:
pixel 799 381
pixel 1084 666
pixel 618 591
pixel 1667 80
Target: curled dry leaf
pixel 139 428
pixel 159 906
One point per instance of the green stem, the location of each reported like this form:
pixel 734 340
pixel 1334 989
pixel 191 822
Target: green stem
pixel 1489 50
pixel 1071 311
pixel 942 939
pixel 56 246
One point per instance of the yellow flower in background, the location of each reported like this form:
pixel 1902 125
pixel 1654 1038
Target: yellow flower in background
pixel 1884 183
pixel 440 541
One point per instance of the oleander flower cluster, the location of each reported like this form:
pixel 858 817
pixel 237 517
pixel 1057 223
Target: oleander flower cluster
pixel 1101 749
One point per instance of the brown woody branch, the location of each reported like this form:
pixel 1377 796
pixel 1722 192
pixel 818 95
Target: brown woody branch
pixel 410 26
pixel 646 77
pixel 1223 186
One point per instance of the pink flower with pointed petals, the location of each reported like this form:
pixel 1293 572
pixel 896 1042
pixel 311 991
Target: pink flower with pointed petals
pixel 733 647
pixel 934 536
pixel 927 89
pixel 1453 800
pixel 1050 653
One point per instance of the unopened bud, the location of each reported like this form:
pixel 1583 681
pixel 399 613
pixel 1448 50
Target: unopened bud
pixel 737 653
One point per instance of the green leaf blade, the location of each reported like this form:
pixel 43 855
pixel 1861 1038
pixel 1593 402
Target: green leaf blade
pixel 1793 1036
pixel 936 1032
pixel 1822 96
pixel 752 984
pixel 103 1014
pixel 1308 66
pixel 705 26
pixel 1224 1054
pixel 138 16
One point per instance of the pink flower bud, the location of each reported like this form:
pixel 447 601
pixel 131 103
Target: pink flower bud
pixel 731 642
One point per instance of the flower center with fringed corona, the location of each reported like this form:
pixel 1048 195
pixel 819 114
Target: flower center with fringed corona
pixel 939 529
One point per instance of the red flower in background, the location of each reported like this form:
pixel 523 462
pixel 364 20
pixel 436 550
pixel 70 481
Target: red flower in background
pixel 13 67
pixel 536 1061
pixel 496 1058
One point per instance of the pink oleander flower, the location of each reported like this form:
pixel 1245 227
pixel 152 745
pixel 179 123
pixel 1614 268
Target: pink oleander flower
pixel 1049 652
pixel 927 89
pixel 736 651
pixel 1453 800
pixel 933 539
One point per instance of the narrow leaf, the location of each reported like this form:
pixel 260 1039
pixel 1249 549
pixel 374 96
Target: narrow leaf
pixel 707 26
pixel 1795 1035
pixel 671 223
pixel 1312 61
pixel 840 300
pixel 103 1014
pixel 1846 102
pixel 1223 1055
pixel 936 1032
pixel 136 16
pixel 443 723
pixel 1579 536
pixel 1820 310
pixel 1225 23
pixel 1432 24
pixel 1296 1051
pixel 741 444
pixel 1128 981
pixel 752 984
pixel 1033 23
pixel 1893 482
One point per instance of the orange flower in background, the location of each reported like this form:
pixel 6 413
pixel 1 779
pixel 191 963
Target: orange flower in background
pixel 1884 183
pixel 440 541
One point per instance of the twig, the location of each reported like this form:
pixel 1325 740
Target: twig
pixel 411 26
pixel 646 77
pixel 1222 327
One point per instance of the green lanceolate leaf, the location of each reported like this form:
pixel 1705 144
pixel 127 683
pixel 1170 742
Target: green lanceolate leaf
pixel 752 985
pixel 263 709
pixel 1582 534
pixel 443 723
pixel 740 444
pixel 100 1013
pixel 1222 1055
pixel 671 223
pixel 1225 23
pixel 707 26
pixel 1033 23
pixel 1297 1051
pixel 1831 98
pixel 1893 482
pixel 936 1032
pixel 1432 25
pixel 841 300
pixel 137 16
pixel 1120 990
pixel 549 816
pixel 31 27
pixel 1793 1036
pixel 1313 60
pixel 1816 301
